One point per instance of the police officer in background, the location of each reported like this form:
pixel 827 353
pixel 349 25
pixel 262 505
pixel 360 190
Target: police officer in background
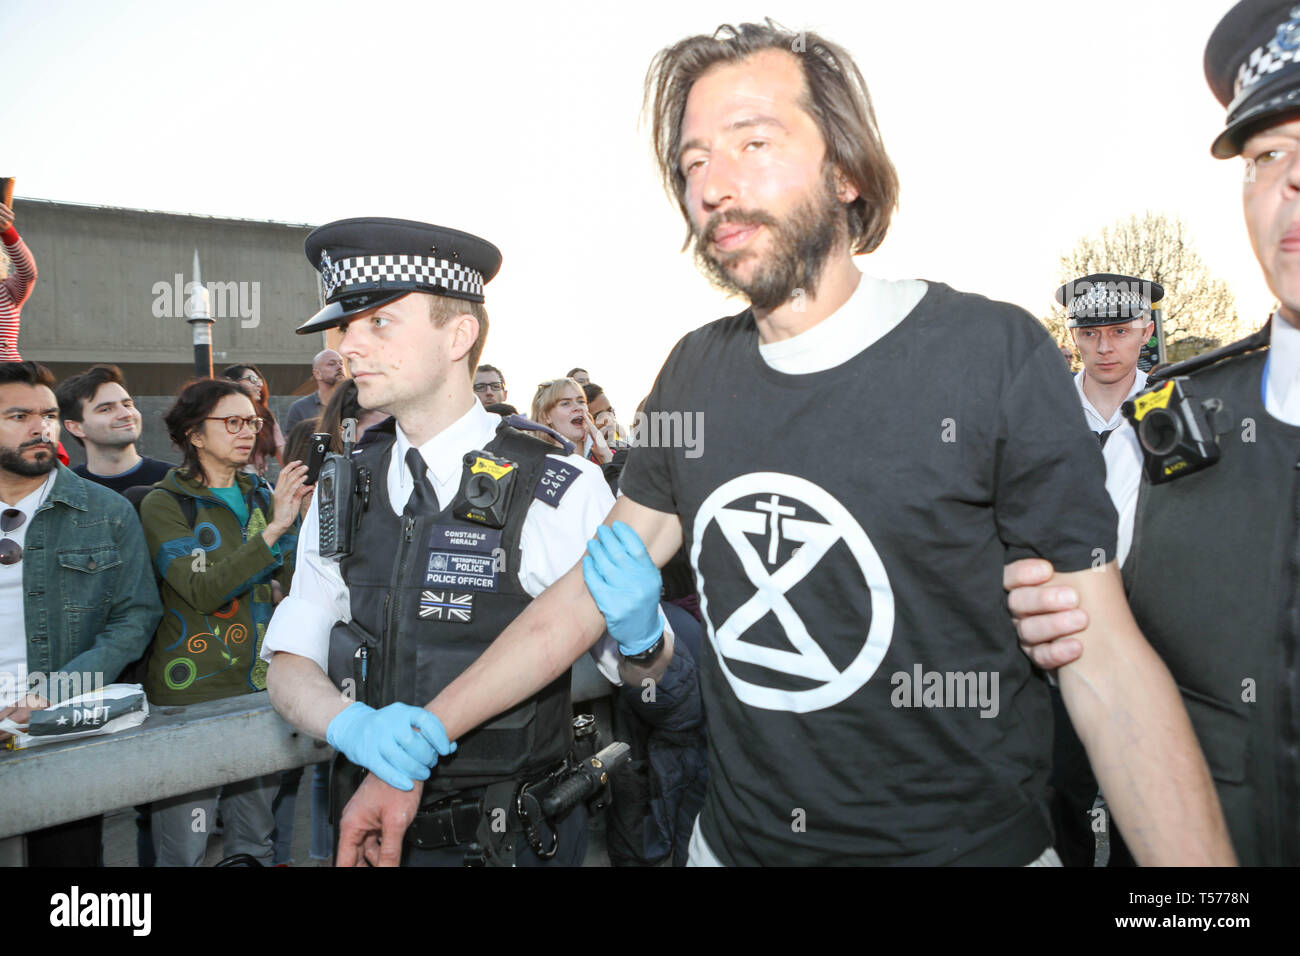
pixel 1212 578
pixel 432 577
pixel 1109 317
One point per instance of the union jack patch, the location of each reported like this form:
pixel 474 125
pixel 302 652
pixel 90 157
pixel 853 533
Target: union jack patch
pixel 446 606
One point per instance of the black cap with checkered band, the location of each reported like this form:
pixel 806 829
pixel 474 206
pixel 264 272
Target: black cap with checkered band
pixel 1252 63
pixel 366 263
pixel 1107 298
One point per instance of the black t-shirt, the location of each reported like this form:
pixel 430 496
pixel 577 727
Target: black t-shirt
pixel 148 471
pixel 848 530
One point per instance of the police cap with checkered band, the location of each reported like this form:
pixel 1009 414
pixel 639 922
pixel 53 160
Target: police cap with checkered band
pixel 1252 63
pixel 366 263
pixel 1107 298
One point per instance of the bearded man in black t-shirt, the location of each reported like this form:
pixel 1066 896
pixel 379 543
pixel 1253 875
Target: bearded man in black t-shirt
pixel 867 702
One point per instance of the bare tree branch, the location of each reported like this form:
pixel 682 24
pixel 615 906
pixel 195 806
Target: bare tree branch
pixel 1200 312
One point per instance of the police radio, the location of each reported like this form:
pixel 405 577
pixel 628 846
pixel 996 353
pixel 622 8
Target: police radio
pixel 343 492
pixel 1177 431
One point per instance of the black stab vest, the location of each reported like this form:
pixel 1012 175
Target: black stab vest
pixel 1214 582
pixel 412 658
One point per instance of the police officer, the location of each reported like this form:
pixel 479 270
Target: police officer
pixel 1212 578
pixel 462 520
pixel 1109 317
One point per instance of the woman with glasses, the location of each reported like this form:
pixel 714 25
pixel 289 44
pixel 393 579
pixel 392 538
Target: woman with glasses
pixel 219 537
pixel 560 404
pixel 270 440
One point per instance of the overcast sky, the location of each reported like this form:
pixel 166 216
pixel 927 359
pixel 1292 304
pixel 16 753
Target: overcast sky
pixel 1016 127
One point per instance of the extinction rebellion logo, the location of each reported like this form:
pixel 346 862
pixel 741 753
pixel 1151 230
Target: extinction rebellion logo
pixel 757 514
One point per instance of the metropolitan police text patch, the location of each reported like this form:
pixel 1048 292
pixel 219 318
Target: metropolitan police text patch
pixel 556 479
pixel 451 569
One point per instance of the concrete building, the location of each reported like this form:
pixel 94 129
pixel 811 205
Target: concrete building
pixel 112 287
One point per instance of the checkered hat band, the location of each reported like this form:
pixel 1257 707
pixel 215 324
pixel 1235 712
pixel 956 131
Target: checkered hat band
pixel 1279 53
pixel 363 273
pixel 1102 301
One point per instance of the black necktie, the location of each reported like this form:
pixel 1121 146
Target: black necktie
pixel 422 500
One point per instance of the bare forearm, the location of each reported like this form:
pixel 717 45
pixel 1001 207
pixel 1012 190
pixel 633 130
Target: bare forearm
pixel 552 633
pixel 1127 710
pixel 538 646
pixel 302 694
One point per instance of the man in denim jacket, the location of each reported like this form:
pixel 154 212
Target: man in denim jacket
pixel 77 597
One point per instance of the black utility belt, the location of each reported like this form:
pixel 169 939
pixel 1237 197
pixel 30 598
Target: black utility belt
pixel 454 820
pixel 454 824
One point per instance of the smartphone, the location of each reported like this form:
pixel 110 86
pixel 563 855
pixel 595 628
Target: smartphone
pixel 320 446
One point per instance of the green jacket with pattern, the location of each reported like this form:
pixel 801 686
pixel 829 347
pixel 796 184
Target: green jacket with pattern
pixel 215 579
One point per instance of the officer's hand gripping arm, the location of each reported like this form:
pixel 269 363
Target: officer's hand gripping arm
pixel 398 743
pixel 625 585
pixel 1046 614
pixel 553 632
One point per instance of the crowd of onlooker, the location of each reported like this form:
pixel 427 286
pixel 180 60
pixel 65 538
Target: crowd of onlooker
pixel 166 572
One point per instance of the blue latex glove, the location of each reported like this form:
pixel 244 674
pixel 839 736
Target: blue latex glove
pixel 625 584
pixel 387 742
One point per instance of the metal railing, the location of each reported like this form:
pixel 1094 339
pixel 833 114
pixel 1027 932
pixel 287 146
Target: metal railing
pixel 177 750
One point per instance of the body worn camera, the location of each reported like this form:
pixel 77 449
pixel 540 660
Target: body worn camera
pixel 486 486
pixel 344 492
pixel 1175 429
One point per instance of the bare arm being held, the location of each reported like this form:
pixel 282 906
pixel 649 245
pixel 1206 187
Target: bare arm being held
pixel 552 633
pixel 538 646
pixel 1130 717
pixel 302 694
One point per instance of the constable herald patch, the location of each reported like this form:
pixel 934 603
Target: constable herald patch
pixel 557 478
pixel 461 538
pixel 446 606
pixel 451 569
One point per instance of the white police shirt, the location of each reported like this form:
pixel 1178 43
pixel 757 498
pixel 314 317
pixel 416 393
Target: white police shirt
pixel 1095 422
pixel 1281 400
pixel 553 540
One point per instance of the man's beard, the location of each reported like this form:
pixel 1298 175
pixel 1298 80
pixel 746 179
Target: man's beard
pixel 801 244
pixel 12 460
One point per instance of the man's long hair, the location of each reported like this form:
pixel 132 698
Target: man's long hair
pixel 835 96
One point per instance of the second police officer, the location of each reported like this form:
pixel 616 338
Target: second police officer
pixel 434 573
pixel 1212 577
pixel 1110 319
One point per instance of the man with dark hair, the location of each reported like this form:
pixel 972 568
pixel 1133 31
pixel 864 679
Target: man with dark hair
pixel 77 595
pixel 100 414
pixel 1212 575
pixel 852 596
pixel 489 385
